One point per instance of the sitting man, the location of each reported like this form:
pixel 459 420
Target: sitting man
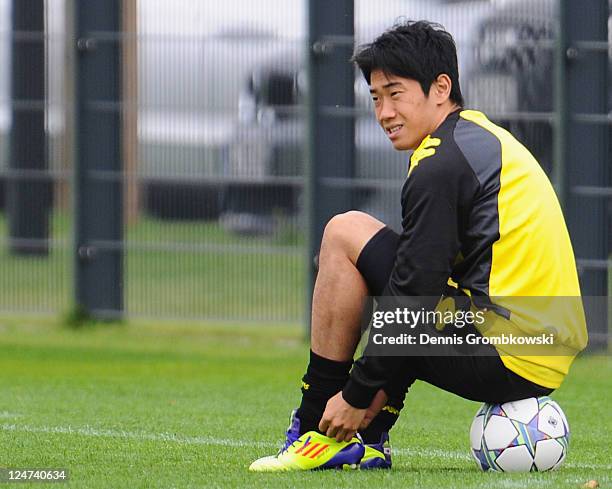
pixel 479 218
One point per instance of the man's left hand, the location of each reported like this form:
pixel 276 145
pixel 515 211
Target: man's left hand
pixel 341 420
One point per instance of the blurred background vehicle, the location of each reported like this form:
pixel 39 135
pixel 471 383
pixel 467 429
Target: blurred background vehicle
pixel 266 156
pixel 188 106
pixel 191 71
pixel 514 71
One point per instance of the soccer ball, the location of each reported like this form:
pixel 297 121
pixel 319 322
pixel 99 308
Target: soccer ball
pixel 520 436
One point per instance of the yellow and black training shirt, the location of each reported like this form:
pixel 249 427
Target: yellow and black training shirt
pixel 480 214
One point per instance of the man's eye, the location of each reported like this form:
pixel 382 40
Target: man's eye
pixel 393 94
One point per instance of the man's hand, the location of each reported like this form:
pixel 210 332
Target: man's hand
pixel 341 420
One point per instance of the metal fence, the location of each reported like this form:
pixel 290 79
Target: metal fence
pixel 159 159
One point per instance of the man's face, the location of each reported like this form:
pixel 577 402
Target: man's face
pixel 402 109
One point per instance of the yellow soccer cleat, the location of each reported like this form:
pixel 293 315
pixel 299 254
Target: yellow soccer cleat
pixel 377 455
pixel 310 451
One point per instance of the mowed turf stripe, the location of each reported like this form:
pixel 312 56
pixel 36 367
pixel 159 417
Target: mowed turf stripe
pixel 134 435
pixel 209 440
pixel 199 440
pixel 7 415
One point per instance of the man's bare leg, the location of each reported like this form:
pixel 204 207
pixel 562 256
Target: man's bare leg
pixel 338 300
pixel 340 291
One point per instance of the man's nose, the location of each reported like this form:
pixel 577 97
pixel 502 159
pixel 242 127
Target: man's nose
pixel 386 111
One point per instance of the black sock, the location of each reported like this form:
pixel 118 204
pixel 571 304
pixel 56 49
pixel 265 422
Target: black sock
pixel 383 421
pixel 323 379
pixel 396 389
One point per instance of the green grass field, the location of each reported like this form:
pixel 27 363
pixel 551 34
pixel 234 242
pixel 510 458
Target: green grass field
pixel 191 405
pixel 211 273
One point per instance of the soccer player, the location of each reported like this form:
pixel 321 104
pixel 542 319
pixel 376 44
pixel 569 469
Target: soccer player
pixel 480 220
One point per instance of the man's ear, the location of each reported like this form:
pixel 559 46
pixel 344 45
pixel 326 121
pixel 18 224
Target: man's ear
pixel 441 88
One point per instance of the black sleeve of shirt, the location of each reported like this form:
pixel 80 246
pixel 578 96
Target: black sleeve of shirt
pixel 429 244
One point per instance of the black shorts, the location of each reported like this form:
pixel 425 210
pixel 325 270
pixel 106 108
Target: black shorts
pixel 376 260
pixel 481 378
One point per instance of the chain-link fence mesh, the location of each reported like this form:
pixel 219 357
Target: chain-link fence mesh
pixel 213 144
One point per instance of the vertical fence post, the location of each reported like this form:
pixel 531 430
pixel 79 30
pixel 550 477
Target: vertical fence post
pixel 98 187
pixel 331 133
pixel 28 196
pixel 560 143
pixel 585 146
pixel 130 112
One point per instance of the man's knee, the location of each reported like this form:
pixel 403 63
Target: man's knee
pixel 349 232
pixel 337 229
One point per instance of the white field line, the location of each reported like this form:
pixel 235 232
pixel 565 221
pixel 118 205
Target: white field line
pixel 135 435
pixel 224 442
pixel 572 465
pixel 7 415
pixel 510 483
pixel 433 453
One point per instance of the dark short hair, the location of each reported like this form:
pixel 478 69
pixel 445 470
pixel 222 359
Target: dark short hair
pixel 419 50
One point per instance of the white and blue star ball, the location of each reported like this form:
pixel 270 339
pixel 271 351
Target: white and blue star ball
pixel 530 435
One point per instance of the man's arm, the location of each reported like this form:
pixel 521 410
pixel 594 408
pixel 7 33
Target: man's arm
pixel 428 246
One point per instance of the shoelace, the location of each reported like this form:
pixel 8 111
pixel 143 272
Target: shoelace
pixel 288 444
